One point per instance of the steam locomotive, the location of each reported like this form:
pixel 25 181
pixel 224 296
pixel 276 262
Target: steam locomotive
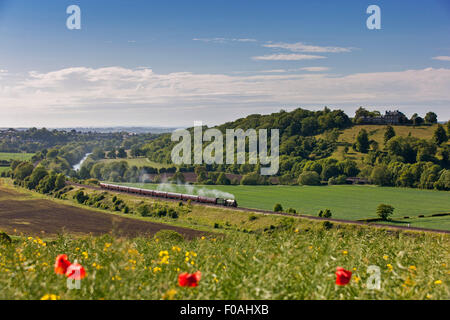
pixel 170 195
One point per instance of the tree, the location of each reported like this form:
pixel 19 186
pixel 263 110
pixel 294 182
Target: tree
pixel 98 154
pixel 143 210
pixel 60 181
pixel 252 178
pixel 278 208
pixel 431 117
pixel 325 214
pixel 416 120
pixel 439 135
pixel 222 179
pixel 112 154
pixel 388 134
pixel 309 178
pixel 52 153
pixel 38 174
pixel 178 177
pixel 444 181
pixel 23 170
pixel 384 211
pixel 362 141
pixel 121 153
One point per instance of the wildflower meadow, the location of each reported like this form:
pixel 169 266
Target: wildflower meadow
pixel 283 264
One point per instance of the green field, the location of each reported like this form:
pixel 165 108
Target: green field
pixel 376 133
pixel 139 162
pixel 345 202
pixel 15 156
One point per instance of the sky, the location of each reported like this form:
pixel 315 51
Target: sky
pixel 170 63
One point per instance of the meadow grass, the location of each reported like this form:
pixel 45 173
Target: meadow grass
pixel 16 156
pixel 376 133
pixel 289 264
pixel 139 162
pixel 345 201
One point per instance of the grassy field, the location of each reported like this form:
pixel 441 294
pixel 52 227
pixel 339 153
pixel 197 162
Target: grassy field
pixel 293 259
pixel 291 264
pixel 376 132
pixel 15 156
pixel 140 162
pixel 345 202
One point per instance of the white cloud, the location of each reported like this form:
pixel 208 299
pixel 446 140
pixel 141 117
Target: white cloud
pixel 224 40
pixel 301 47
pixel 122 96
pixel 288 57
pixel 442 58
pixel 315 69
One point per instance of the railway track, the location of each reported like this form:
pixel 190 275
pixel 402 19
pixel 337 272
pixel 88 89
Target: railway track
pixel 376 225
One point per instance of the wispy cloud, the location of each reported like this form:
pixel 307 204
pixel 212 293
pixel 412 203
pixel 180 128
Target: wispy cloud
pixel 442 58
pixel 225 40
pixel 301 47
pixel 315 69
pixel 288 57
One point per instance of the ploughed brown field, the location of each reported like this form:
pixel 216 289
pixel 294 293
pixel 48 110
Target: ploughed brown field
pixel 44 217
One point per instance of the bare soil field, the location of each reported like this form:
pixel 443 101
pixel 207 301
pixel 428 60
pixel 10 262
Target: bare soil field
pixel 45 217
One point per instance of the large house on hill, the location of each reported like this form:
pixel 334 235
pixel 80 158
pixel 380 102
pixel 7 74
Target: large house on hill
pixel 390 117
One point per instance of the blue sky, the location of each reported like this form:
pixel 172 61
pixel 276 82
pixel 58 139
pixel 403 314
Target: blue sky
pixel 170 63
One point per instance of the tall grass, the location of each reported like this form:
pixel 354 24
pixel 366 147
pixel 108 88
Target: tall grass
pixel 289 264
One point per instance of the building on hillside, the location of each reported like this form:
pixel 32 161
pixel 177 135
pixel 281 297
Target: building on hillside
pixel 390 117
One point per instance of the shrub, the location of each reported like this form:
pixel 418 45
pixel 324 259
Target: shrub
pixel 252 218
pixel 80 197
pixel 143 210
pixel 327 225
pixel 291 210
pixel 327 213
pixel 309 178
pixel 278 207
pixel 169 235
pixel 172 213
pixel 384 211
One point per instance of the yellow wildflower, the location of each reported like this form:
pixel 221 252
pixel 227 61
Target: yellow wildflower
pixel 50 297
pixel 169 295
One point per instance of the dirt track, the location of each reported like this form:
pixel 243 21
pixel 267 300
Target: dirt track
pixel 50 218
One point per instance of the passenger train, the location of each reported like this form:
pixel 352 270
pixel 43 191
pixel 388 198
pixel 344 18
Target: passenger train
pixel 170 195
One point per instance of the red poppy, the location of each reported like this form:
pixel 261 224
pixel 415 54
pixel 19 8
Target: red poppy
pixel 75 271
pixel 61 264
pixel 342 276
pixel 189 279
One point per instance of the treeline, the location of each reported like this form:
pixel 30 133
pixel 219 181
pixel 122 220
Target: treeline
pixel 297 134
pixel 37 178
pixel 363 114
pixel 34 140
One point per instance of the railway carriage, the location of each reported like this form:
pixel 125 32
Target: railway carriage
pixel 170 195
